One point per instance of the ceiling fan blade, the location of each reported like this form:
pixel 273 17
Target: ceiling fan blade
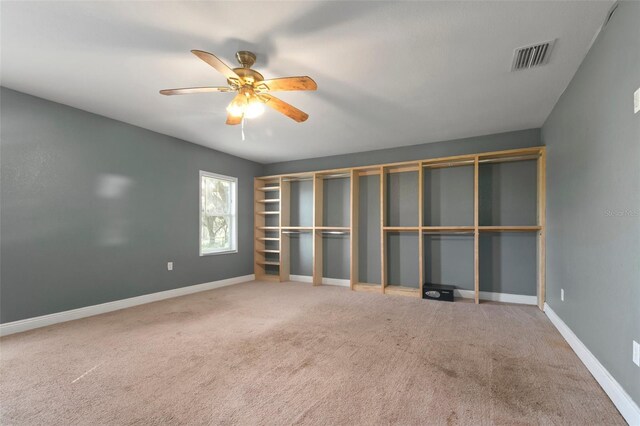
pixel 233 120
pixel 290 83
pixel 190 90
pixel 216 63
pixel 284 108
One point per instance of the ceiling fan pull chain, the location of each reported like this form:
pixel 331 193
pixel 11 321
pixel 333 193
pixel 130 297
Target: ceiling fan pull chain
pixel 242 126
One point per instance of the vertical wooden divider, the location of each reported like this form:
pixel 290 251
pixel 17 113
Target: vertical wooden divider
pixel 285 257
pixel 258 221
pixel 318 198
pixel 354 227
pixel 476 231
pixel 383 220
pixel 542 223
pixel 420 225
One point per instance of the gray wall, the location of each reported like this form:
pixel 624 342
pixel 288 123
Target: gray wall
pixel 508 262
pixel 448 196
pixel 301 249
pixel 497 142
pixel 93 209
pixel 369 230
pixel 337 202
pixel 507 193
pixel 593 208
pixel 336 260
pixel 448 259
pixel 301 203
pixel 403 262
pixel 402 199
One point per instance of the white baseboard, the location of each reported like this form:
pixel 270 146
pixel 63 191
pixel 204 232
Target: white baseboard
pixel 498 297
pixel 327 281
pixel 467 294
pixel 621 399
pixel 58 317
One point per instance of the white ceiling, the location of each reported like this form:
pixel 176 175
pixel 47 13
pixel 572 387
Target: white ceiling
pixel 389 73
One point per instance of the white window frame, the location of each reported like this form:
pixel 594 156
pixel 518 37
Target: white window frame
pixel 234 214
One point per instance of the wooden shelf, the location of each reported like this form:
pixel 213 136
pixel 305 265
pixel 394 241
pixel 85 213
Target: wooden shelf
pixel 534 228
pixel 269 239
pixel 398 290
pixel 333 228
pixel 411 167
pixel 371 288
pixel 448 229
pixel 268 262
pixel 269 188
pixel 268 251
pixel 267 277
pixel 402 228
pixel 268 228
pixel 269 200
pixel 297 228
pixel 367 171
pixel 268 213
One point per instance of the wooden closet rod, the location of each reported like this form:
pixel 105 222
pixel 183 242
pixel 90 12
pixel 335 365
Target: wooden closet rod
pixel 297 179
pixel 507 159
pixel 448 232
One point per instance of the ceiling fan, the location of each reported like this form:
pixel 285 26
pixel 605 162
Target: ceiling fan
pixel 251 87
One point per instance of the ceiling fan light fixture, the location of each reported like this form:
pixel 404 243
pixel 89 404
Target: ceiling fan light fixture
pixel 236 109
pixel 246 104
pixel 254 109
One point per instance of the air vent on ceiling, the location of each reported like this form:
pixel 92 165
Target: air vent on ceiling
pixel 532 56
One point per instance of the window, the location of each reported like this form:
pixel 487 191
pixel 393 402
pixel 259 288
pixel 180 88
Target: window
pixel 218 214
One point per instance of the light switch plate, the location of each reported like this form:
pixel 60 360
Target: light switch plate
pixel 636 353
pixel 562 294
pixel 169 266
pixel 636 101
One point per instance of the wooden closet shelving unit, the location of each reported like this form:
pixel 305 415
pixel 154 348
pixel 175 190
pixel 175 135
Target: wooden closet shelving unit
pixel 272 219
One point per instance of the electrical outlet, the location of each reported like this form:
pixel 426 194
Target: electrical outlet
pixel 169 266
pixel 636 101
pixel 636 353
pixel 562 294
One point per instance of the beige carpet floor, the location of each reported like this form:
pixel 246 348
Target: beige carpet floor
pixel 270 353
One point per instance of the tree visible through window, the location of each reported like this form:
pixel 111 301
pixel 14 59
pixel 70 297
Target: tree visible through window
pixel 218 225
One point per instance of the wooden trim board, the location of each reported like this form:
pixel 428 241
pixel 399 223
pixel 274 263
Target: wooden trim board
pixel 476 232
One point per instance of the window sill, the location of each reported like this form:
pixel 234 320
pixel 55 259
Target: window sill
pixel 215 253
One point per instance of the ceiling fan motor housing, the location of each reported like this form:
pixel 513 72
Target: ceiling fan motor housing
pixel 246 58
pixel 248 75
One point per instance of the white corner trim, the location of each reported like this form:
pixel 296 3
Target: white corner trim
pixel 498 297
pixel 58 317
pixel 621 399
pixel 326 281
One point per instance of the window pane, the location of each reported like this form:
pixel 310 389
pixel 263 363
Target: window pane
pixel 217 214
pixel 215 233
pixel 217 195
